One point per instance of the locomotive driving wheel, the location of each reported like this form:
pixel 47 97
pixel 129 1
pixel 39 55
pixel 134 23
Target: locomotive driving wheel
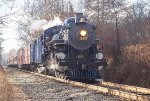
pixel 37 70
pixel 61 75
pixel 56 73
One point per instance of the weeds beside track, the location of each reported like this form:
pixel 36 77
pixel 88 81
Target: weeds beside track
pixel 6 92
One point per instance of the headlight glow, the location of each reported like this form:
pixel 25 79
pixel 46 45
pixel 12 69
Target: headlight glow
pixel 83 33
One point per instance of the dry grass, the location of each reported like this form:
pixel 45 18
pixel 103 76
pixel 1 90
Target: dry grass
pixel 134 66
pixel 5 87
pixel 139 54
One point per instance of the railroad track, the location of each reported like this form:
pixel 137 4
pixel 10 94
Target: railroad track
pixel 133 89
pixel 123 91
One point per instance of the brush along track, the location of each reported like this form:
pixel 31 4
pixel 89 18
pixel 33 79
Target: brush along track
pixel 107 88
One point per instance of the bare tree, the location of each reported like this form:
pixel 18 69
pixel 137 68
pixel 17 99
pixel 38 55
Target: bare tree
pixel 137 22
pixel 41 9
pixel 5 20
pixel 5 16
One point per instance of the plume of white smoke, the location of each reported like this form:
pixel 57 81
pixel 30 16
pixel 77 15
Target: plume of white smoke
pixel 43 24
pixel 52 23
pixel 37 25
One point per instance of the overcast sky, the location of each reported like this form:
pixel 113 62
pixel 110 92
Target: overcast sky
pixel 10 32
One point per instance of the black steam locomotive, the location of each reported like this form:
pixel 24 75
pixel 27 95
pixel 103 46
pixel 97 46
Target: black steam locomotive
pixel 68 51
pixel 73 50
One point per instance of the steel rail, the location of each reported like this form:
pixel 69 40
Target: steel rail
pixel 127 87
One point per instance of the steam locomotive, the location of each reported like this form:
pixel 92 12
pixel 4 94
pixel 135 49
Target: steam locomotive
pixel 68 51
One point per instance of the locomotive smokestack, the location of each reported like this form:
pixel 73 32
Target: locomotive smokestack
pixel 79 17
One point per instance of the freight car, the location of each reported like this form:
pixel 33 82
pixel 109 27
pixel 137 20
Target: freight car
pixel 68 51
pixel 12 61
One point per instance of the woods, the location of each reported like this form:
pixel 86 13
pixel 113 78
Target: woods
pixel 41 10
pixel 123 29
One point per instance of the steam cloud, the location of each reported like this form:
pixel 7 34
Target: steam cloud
pixel 43 24
pixel 52 23
pixel 37 25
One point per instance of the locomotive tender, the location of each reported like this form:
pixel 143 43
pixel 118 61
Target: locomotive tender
pixel 68 51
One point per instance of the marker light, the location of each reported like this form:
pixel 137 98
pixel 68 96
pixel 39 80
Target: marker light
pixel 99 56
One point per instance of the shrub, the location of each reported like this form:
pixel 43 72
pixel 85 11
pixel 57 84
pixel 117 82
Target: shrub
pixel 134 66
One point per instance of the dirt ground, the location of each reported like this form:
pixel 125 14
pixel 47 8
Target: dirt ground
pixel 6 92
pixel 28 87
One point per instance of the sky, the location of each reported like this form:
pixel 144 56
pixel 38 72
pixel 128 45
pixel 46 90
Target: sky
pixel 9 33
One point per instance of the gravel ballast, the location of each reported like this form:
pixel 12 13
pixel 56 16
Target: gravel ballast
pixel 28 87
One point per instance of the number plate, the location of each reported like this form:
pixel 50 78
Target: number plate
pixel 83 38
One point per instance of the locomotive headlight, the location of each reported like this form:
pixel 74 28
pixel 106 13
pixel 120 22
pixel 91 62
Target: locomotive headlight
pixel 83 33
pixel 99 56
